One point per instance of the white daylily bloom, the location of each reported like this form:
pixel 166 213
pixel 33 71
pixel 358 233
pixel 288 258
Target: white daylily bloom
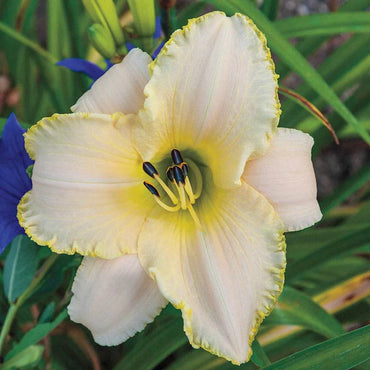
pixel 209 238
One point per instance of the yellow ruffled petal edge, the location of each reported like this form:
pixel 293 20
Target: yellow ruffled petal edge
pixel 271 295
pixel 44 122
pixel 22 207
pixel 259 34
pixel 187 313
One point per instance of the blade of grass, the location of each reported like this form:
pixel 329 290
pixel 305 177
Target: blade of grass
pixel 346 189
pixel 191 11
pixel 333 299
pixel 311 44
pixel 330 250
pixel 297 308
pixel 324 24
pixel 311 108
pixel 259 356
pixel 343 352
pixel 270 9
pixel 155 347
pixel 351 54
pixel 289 55
pixel 27 42
pixel 346 81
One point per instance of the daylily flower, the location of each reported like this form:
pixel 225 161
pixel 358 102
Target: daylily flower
pixel 14 180
pixel 224 184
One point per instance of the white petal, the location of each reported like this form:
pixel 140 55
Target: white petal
pixel 120 89
pixel 213 92
pixel 226 278
pixel 285 176
pixel 114 299
pixel 87 194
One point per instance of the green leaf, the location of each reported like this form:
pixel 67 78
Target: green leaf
pixel 270 8
pixel 259 356
pixel 340 353
pixel 48 313
pixel 191 11
pixel 324 24
pixel 36 334
pixel 296 308
pixel 290 56
pixel 20 267
pixel 27 42
pixel 28 358
pixel 200 359
pixel 331 249
pixel 155 347
pixel 345 190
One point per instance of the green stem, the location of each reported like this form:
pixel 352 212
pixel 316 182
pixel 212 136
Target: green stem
pixel 27 42
pixel 22 298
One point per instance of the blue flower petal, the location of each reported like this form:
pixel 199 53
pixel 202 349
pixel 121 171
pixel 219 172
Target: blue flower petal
pixel 14 180
pixel 156 51
pixel 158 28
pixel 83 66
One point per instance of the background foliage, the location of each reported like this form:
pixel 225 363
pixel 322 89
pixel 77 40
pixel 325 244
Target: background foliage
pixel 320 319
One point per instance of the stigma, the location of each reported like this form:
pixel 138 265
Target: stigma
pixel 179 189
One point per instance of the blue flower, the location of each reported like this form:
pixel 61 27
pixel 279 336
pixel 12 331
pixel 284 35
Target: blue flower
pixel 14 180
pixel 83 66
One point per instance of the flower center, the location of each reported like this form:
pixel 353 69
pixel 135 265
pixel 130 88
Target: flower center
pixel 182 195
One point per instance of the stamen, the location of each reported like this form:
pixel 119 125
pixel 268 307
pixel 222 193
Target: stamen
pixel 194 216
pixel 178 175
pixel 149 169
pixel 189 190
pixel 188 187
pixel 156 195
pixel 167 189
pixel 152 172
pixel 198 178
pixel 180 181
pixel 176 156
pixel 151 188
pixel 170 174
pixel 166 207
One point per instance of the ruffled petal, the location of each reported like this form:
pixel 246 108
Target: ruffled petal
pixel 14 180
pixel 87 194
pixel 226 278
pixel 114 299
pixel 285 176
pixel 213 91
pixel 120 89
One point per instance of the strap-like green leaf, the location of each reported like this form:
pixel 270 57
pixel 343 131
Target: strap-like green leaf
pixel 20 267
pixel 332 249
pixel 155 347
pixel 346 189
pixel 296 308
pixel 290 56
pixel 324 24
pixel 259 356
pixel 270 8
pixel 340 353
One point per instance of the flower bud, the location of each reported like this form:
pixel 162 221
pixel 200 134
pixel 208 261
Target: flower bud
pixel 102 40
pixel 104 12
pixel 144 17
